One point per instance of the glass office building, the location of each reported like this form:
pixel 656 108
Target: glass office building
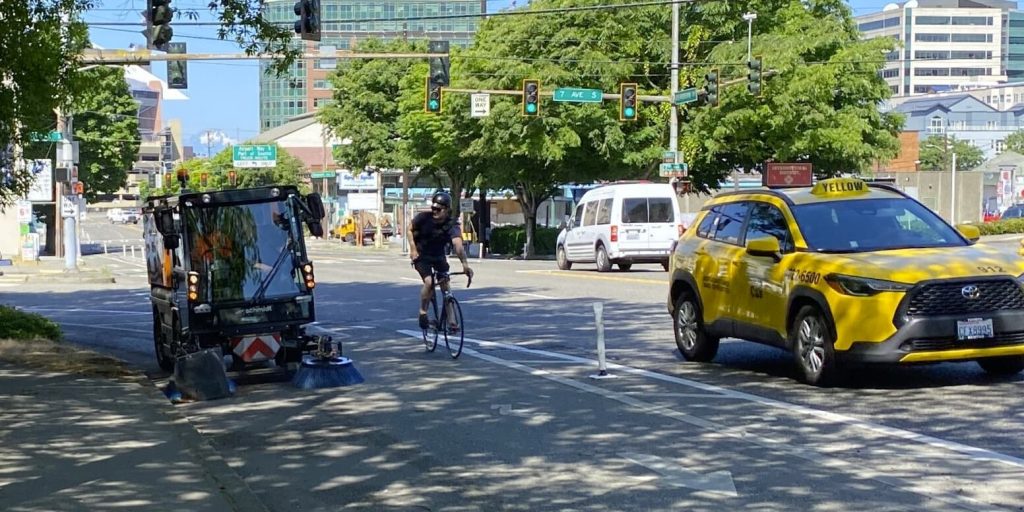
pixel 307 86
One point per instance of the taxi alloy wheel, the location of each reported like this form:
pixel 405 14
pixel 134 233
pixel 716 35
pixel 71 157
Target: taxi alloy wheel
pixel 691 339
pixel 812 347
pixel 562 259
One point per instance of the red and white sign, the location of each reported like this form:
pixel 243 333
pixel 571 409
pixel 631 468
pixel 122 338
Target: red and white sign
pixel 788 175
pixel 254 348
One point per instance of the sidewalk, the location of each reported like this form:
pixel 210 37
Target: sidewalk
pixel 51 269
pixel 73 443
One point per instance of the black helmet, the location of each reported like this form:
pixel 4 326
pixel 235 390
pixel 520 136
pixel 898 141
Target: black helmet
pixel 443 198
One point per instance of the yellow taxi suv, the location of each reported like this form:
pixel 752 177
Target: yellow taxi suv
pixel 845 271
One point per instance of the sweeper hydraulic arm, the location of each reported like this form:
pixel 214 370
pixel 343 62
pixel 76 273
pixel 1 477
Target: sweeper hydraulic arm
pixel 229 270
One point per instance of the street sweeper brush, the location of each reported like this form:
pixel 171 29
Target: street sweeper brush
pixel 326 368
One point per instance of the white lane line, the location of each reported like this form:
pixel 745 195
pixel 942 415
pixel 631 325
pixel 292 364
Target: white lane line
pixel 411 279
pixel 717 431
pixel 534 295
pixel 839 419
pixel 107 328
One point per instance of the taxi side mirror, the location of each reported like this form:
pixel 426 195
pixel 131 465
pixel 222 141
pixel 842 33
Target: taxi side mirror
pixel 970 232
pixel 767 246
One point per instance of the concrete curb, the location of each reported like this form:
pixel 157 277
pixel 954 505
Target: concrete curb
pixel 230 483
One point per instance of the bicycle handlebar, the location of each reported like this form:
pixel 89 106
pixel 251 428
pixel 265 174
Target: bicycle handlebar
pixel 469 280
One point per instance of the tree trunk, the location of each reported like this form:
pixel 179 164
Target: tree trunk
pixel 528 203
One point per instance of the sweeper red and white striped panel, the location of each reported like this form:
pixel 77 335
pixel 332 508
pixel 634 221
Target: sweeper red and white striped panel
pixel 255 348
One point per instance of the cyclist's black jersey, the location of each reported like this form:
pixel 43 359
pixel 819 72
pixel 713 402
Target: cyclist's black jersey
pixel 431 238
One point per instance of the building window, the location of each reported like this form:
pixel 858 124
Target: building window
pixel 1000 146
pixel 971 38
pixel 932 38
pixel 931 20
pixel 991 125
pixel 322 85
pixel 889 73
pixel 931 55
pixel 935 125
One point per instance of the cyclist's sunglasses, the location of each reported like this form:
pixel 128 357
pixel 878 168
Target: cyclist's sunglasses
pixel 437 208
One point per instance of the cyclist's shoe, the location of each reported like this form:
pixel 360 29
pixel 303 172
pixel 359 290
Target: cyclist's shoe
pixel 424 322
pixel 453 329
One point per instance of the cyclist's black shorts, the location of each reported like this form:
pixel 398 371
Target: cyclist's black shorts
pixel 425 265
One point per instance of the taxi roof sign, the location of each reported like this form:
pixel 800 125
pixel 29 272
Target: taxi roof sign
pixel 839 187
pixel 787 175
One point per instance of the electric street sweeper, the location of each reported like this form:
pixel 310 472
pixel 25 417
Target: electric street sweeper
pixel 229 269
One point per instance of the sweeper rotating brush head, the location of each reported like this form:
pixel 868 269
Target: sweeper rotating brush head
pixel 326 368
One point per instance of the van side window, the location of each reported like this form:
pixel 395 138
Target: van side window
pixel 590 213
pixel 730 222
pixel 707 225
pixel 766 220
pixel 661 209
pixel 604 212
pixel 634 210
pixel 578 217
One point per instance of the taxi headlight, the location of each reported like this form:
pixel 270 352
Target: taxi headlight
pixel 863 286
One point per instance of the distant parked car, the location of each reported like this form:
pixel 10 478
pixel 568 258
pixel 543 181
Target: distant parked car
pixel 1014 212
pixel 124 216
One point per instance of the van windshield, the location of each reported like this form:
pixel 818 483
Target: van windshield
pixel 637 210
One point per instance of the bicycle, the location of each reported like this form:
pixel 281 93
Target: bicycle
pixel 439 325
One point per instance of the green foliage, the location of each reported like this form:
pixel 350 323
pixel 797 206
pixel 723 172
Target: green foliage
pixel 936 154
pixel 509 240
pixel 38 73
pixel 19 325
pixel 288 171
pixel 1015 142
pixel 1001 227
pixel 107 128
pixel 819 99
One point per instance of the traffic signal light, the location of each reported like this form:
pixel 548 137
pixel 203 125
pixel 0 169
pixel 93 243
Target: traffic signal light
pixel 177 70
pixel 628 102
pixel 531 97
pixel 308 25
pixel 754 76
pixel 158 23
pixel 432 101
pixel 203 179
pixel 439 65
pixel 711 87
pixel 233 178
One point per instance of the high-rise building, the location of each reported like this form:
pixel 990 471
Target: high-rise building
pixel 949 45
pixel 306 87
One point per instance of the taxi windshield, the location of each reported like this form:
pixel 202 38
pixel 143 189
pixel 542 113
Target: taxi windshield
pixel 862 225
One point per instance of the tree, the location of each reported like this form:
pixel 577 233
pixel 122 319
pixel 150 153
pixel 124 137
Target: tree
pixel 819 98
pixel 1015 142
pixel 107 127
pixel 568 142
pixel 366 110
pixel 38 73
pixel 937 154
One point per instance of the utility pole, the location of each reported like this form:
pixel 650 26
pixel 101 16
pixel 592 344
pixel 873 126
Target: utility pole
pixel 673 126
pixel 400 227
pixel 65 160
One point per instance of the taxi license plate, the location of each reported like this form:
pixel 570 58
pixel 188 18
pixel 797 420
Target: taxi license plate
pixel 974 329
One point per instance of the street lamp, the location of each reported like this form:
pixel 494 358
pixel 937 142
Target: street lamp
pixel 749 17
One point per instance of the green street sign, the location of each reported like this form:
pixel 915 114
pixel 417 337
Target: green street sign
pixel 685 96
pixel 53 136
pixel 330 174
pixel 574 95
pixel 259 155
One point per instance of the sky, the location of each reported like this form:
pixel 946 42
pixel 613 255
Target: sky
pixel 223 104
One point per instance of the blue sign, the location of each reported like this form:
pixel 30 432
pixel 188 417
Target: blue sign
pixel 365 180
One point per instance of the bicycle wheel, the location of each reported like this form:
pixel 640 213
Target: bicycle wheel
pixel 453 338
pixel 430 333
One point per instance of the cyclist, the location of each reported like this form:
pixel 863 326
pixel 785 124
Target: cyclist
pixel 431 232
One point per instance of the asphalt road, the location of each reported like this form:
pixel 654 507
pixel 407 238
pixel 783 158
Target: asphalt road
pixel 518 424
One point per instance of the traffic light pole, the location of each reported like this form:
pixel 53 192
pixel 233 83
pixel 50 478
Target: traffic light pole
pixel 673 122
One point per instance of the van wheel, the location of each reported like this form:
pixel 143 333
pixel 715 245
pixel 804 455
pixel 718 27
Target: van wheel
pixel 625 266
pixel 692 340
pixel 813 347
pixel 1004 365
pixel 604 264
pixel 562 259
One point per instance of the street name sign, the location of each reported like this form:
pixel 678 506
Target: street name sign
pixel 685 96
pixel 575 95
pixel 788 175
pixel 328 174
pixel 673 170
pixel 259 155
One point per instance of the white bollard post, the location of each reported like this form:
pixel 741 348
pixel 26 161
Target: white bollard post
pixel 602 369
pixel 124 250
pixel 105 251
pixel 133 251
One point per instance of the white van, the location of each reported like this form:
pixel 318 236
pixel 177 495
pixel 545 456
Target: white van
pixel 623 224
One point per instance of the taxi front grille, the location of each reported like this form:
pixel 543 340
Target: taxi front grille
pixel 930 344
pixel 948 298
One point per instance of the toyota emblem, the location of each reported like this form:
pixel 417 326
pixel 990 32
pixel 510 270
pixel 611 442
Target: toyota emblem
pixel 971 291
